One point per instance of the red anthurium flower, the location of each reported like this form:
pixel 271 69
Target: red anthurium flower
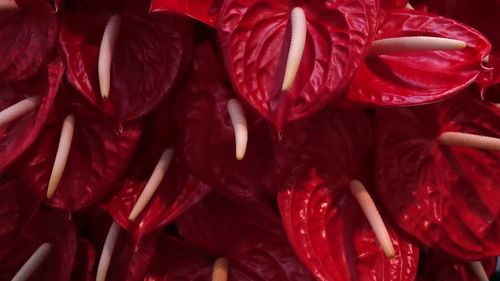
pixel 324 222
pixel 24 109
pixel 288 59
pixel 426 66
pixel 437 174
pixel 78 157
pixel 27 38
pixel 122 59
pixel 17 205
pixel 157 188
pixel 205 11
pixel 248 239
pixel 45 250
pixel 203 109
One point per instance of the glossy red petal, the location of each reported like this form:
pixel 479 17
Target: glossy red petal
pixel 437 266
pixel 254 37
pixel 446 196
pixel 150 52
pixel 201 110
pixel 52 226
pixel 27 38
pixel 323 220
pixel 17 205
pixel 18 135
pixel 99 154
pixel 413 78
pixel 177 192
pixel 251 237
pixel 205 11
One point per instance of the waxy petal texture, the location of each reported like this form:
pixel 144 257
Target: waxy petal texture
pixel 201 110
pixel 250 237
pixel 446 196
pixel 26 39
pixel 323 220
pixel 99 154
pixel 150 52
pixel 205 11
pixel 254 38
pixel 419 77
pixel 17 136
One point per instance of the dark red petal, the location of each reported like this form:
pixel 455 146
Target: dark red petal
pixel 150 53
pixel 17 136
pixel 84 262
pixel 437 266
pixel 201 110
pixel 17 205
pixel 205 11
pixel 251 237
pixel 178 191
pixel 49 225
pixel 27 37
pixel 99 153
pixel 323 220
pixel 413 78
pixel 254 37
pixel 446 196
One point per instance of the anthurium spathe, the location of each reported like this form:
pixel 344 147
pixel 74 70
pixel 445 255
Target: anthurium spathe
pixel 123 60
pixel 417 73
pixel 289 59
pixel 437 174
pixel 335 236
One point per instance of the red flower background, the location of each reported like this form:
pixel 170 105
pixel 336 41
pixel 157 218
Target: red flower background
pixel 379 161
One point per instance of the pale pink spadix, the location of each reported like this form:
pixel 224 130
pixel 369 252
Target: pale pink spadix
pixel 8 5
pixel 479 271
pixel 240 127
pixel 18 110
pixel 469 140
pixel 296 50
pixel 108 43
pixel 393 45
pixel 32 264
pixel 409 6
pixel 107 252
pixel 373 216
pixel 220 270
pixel 153 183
pixel 65 140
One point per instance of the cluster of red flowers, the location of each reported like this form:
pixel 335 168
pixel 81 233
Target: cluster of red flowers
pixel 167 140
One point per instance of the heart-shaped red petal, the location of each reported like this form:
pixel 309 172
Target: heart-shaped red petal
pixel 254 37
pixel 446 196
pixel 205 11
pixel 18 135
pixel 27 38
pixel 419 77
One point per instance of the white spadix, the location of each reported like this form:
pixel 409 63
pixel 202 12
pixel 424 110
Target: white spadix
pixel 239 122
pixel 414 43
pixel 107 252
pixel 108 43
pixel 296 50
pixel 373 216
pixel 65 140
pixel 36 259
pixel 478 269
pixel 18 110
pixel 469 140
pixel 220 270
pixel 153 183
